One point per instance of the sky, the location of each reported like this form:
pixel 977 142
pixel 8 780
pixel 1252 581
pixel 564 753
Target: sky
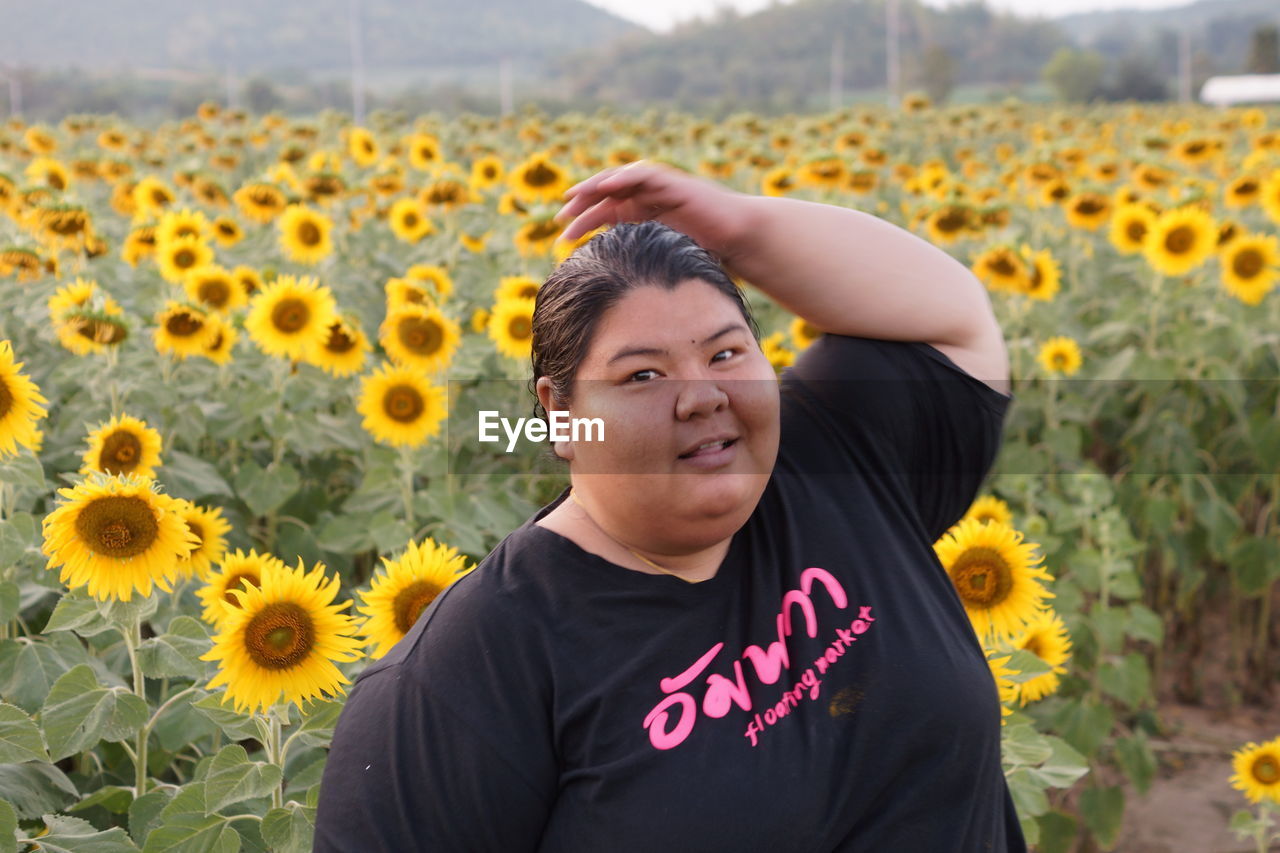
pixel 661 15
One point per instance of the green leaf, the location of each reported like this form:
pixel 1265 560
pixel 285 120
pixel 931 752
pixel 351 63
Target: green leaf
pixel 73 835
pixel 190 833
pixel 1103 812
pixel 289 829
pixel 266 490
pixel 1145 625
pixel 33 789
pixel 1243 824
pixel 144 812
pixel 76 611
pixel 1109 624
pixel 20 739
pixel 192 478
pixel 346 534
pixel 234 725
pixel 8 828
pixel 1064 766
pixel 12 544
pixel 32 667
pixel 1116 367
pixel 1057 833
pixel 114 798
pixel 233 777
pixel 1065 441
pixel 1084 724
pixel 1022 744
pixel 1129 680
pixel 1028 664
pixel 123 614
pixel 79 712
pixel 23 470
pixel 10 599
pixel 1028 795
pixel 176 653
pixel 1255 562
pixel 1137 760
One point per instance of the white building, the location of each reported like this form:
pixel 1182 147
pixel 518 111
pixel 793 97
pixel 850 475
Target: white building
pixel 1241 89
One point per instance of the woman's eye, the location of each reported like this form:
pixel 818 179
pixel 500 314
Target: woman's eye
pixel 722 355
pixel 642 376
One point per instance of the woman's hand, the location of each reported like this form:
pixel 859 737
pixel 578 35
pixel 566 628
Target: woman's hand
pixel 715 217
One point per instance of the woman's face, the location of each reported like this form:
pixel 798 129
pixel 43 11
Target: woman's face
pixel 690 411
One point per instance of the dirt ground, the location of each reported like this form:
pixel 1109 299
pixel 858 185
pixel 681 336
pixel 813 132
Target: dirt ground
pixel 1188 805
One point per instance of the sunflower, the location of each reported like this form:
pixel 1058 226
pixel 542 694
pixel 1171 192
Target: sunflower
pixel 123 445
pixel 79 295
pixel 182 330
pixel 419 336
pixel 474 245
pixel 398 596
pixel 424 151
pixel 517 287
pixel 150 196
pixel 1257 771
pixel 1130 225
pixel 400 407
pixel 538 179
pixel 1006 687
pixel 1180 240
pixel 362 147
pixel 260 202
pixel 824 173
pixel 447 193
pixel 291 316
pixel 774 349
pixel 402 291
pixel 139 244
pixel 49 172
pixel 210 529
pixel 116 535
pixel 237 570
pixel 304 234
pixel 778 182
pixel 226 231
pixel 176 224
pixel 1060 355
pixel 249 279
pixel 1001 268
pixel 511 328
pixel 1043 275
pixel 343 350
pixel 214 286
pixel 178 257
pixel 436 276
pixel 91 330
pixel 990 508
pixel 283 640
pixel 1269 196
pixel 21 405
pixel 221 340
pixel 487 172
pixel 1242 192
pixel 803 334
pixel 1249 266
pixel 1045 637
pixel 408 220
pixel 948 223
pixel 1088 211
pixel 995 574
pixel 536 236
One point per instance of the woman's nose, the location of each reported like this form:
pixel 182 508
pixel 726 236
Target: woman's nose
pixel 699 397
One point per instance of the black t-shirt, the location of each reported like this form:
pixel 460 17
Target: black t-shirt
pixel 823 692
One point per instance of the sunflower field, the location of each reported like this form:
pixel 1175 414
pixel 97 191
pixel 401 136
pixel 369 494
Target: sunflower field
pixel 229 347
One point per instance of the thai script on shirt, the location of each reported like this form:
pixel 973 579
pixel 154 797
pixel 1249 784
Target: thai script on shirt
pixel 672 720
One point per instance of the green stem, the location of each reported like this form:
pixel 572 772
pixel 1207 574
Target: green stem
pixel 112 384
pixel 1153 311
pixel 133 639
pixel 275 755
pixel 406 487
pixel 151 723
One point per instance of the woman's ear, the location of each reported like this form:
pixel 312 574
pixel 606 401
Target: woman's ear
pixel 563 449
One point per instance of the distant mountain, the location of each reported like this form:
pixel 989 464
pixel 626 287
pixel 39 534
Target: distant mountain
pixel 1088 27
pixel 309 35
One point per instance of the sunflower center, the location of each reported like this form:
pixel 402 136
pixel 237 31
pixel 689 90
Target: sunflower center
pixel 6 398
pixel 422 335
pixel 309 234
pixel 120 453
pixel 520 328
pixel 1180 240
pixel 118 526
pixel 410 220
pixel 410 602
pixel 1247 264
pixel 215 292
pixel 280 637
pixel 403 403
pixel 290 315
pixel 951 221
pixel 239 580
pixel 184 259
pixel 339 341
pixel 1245 188
pixel 183 325
pixel 1089 206
pixel 1136 230
pixel 1266 770
pixel 1003 266
pixel 982 577
pixel 543 230
pixel 198 530
pixel 540 175
pixel 1033 645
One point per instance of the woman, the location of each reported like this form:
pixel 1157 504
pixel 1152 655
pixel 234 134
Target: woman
pixel 732 632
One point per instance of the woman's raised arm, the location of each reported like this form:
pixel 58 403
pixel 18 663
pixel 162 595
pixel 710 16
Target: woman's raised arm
pixel 842 270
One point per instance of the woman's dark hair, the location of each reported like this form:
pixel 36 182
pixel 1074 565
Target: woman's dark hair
pixel 574 297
